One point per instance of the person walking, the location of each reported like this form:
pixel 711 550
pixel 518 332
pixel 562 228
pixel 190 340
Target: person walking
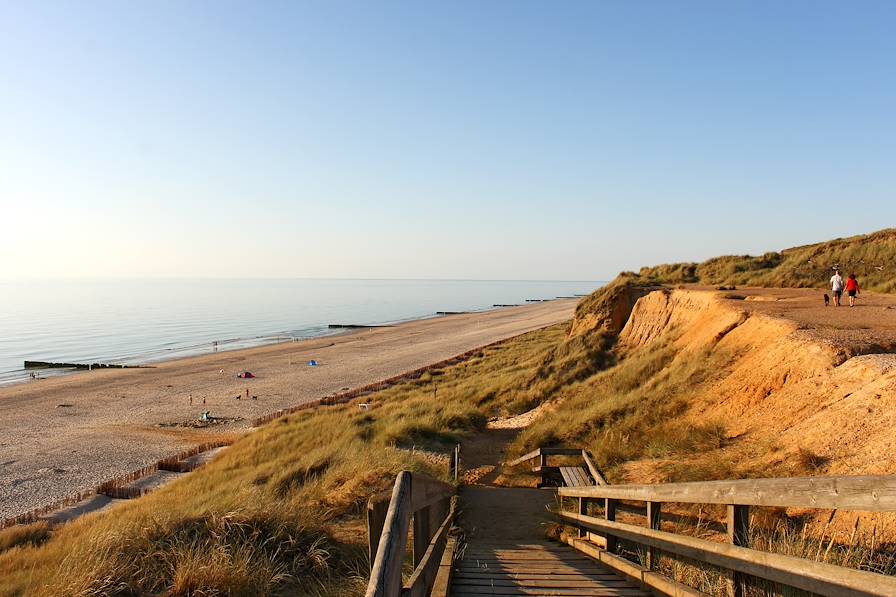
pixel 852 289
pixel 837 287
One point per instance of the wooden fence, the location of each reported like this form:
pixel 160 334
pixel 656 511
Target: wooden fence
pixel 735 558
pixel 430 505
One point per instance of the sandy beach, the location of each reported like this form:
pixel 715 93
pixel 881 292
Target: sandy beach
pixel 67 434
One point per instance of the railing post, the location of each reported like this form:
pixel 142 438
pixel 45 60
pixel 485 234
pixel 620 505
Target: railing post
pixel 610 514
pixel 376 518
pixel 422 533
pixel 654 520
pixel 583 510
pixel 738 534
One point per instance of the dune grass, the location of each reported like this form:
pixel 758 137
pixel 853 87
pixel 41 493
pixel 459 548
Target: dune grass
pixel 869 256
pixel 632 410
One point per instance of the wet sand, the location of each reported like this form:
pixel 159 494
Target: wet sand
pixel 67 434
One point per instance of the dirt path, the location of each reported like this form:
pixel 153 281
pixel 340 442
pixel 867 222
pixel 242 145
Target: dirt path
pixel 490 511
pixel 868 327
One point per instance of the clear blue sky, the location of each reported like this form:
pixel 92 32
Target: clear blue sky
pixel 437 140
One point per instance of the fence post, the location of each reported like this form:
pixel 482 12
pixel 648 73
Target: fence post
pixel 454 463
pixel 738 534
pixel 654 519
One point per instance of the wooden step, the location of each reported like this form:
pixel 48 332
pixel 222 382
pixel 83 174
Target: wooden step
pixel 535 568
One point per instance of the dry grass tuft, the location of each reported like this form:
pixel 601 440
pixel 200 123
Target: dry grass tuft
pixel 26 535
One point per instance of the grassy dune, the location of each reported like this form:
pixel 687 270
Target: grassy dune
pixel 869 256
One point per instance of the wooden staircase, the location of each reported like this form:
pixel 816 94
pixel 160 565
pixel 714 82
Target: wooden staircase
pixel 534 568
pixel 499 544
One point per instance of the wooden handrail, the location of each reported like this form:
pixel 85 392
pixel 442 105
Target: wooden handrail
pixel 592 468
pixel 856 493
pixel 424 576
pixel 417 497
pixel 816 577
pixel 860 493
pixel 540 452
pixel 385 575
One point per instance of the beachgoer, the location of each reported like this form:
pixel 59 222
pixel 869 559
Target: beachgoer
pixel 837 287
pixel 191 399
pixel 852 289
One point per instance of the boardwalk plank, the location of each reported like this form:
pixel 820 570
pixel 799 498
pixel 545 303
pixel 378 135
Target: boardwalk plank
pixel 514 559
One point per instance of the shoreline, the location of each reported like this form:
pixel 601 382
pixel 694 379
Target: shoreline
pixel 67 434
pixel 153 327
pixel 156 356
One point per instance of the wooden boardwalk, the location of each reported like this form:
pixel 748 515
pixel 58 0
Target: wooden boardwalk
pixel 534 568
pixel 502 547
pixel 505 552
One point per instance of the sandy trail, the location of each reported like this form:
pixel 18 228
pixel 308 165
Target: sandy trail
pixel 869 327
pixel 48 452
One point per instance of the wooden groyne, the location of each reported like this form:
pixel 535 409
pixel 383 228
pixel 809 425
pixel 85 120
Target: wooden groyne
pixel 85 366
pixel 114 487
pixel 355 326
pixel 452 312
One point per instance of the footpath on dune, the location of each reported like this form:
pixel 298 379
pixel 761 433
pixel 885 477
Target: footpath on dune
pixel 787 375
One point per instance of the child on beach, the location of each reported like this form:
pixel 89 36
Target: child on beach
pixel 837 287
pixel 852 289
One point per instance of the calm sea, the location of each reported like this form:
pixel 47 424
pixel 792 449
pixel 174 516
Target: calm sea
pixel 141 321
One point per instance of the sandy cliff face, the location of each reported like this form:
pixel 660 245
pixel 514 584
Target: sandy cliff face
pixel 775 382
pixel 608 310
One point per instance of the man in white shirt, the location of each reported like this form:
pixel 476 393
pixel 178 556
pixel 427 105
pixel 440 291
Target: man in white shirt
pixel 837 287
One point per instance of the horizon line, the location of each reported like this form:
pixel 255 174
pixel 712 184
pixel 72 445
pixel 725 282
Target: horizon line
pixel 111 278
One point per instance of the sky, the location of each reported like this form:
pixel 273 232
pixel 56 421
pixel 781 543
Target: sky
pixel 462 140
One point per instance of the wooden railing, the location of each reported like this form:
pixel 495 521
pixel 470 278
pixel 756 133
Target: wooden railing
pixel 539 458
pixel 430 505
pixel 735 558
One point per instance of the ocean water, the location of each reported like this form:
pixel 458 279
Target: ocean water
pixel 142 321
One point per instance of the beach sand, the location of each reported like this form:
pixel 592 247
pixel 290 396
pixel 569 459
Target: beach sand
pixel 62 435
